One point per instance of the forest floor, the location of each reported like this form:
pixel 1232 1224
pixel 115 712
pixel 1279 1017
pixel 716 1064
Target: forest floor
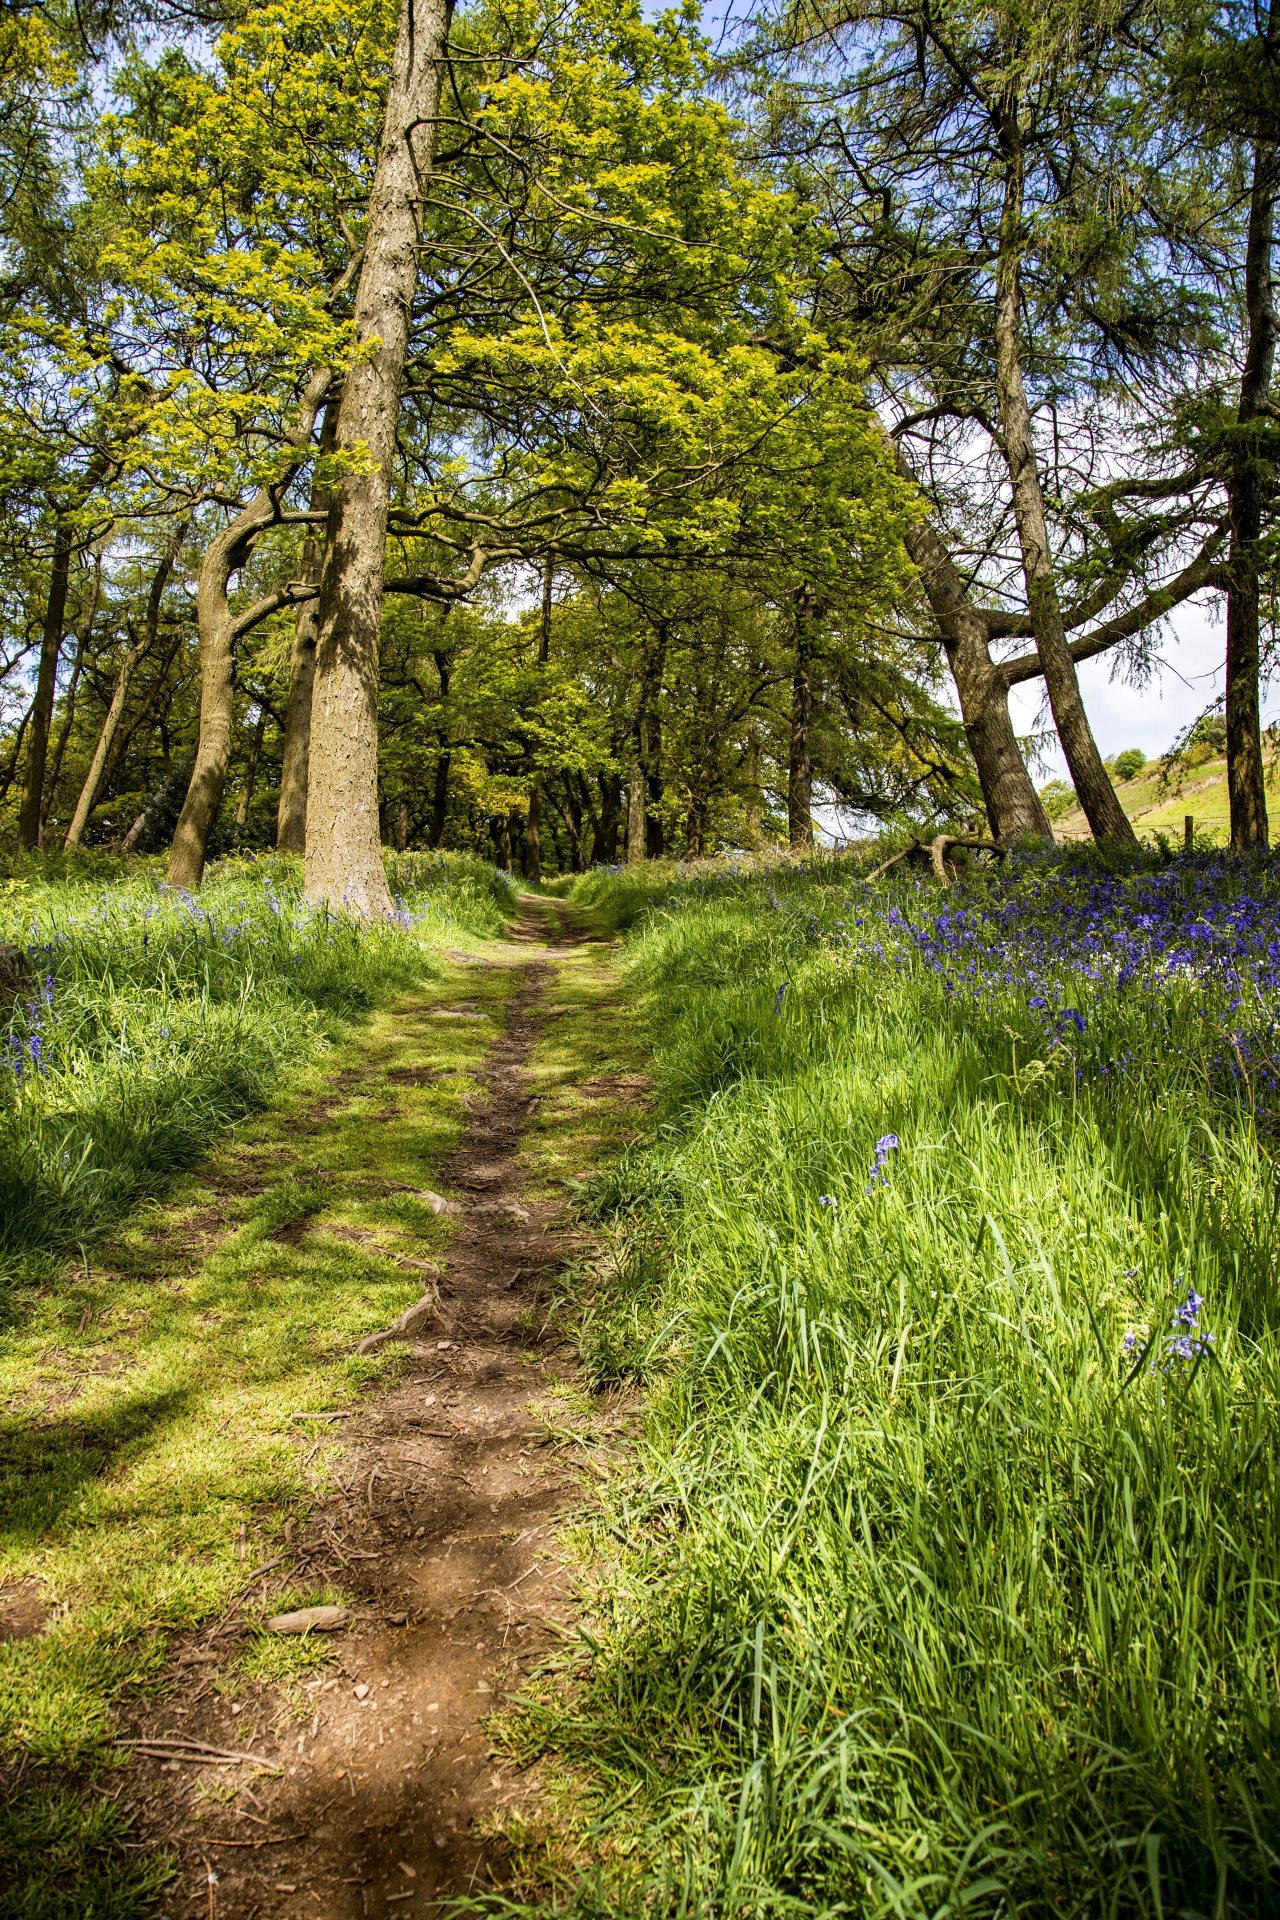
pixel 373 1786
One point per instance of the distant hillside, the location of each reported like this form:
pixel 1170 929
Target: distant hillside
pixel 1200 791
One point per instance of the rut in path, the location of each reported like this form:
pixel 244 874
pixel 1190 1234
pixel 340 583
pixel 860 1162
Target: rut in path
pixel 446 1532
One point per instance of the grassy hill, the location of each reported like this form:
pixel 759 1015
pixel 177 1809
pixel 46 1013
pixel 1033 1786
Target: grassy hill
pixel 1156 805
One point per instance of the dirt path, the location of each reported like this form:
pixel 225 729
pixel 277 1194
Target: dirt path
pixel 445 1530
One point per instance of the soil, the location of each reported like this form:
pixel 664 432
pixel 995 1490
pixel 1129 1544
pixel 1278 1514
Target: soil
pixel 445 1527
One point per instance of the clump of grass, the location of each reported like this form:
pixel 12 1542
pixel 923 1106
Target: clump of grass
pixel 155 1018
pixel 953 1578
pixel 64 1858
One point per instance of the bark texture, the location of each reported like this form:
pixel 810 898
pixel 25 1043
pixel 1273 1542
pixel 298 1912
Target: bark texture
pixel 1106 816
pixel 344 855
pixel 1014 808
pixel 636 812
pixel 219 629
pixel 291 816
pixel 1246 783
pixel 55 615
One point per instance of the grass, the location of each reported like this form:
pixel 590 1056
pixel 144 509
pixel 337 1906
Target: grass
pixel 1197 785
pixel 149 1457
pixel 152 1020
pixel 64 1859
pixel 930 1595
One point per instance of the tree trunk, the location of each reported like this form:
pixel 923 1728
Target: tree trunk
pixel 250 774
pixel 344 858
pixel 1015 810
pixel 533 837
pixel 69 710
pixel 1106 816
pixel 93 779
pixel 605 847
pixel 402 825
pixel 636 812
pixel 46 686
pixel 225 555
pixel 800 763
pixel 1246 781
pixel 291 818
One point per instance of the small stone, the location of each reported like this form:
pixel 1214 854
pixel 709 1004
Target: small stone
pixel 437 1202
pixel 309 1620
pixel 361 1690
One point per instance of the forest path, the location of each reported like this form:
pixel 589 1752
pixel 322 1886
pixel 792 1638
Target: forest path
pixel 441 1518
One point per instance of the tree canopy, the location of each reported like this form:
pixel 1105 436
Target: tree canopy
pixel 536 433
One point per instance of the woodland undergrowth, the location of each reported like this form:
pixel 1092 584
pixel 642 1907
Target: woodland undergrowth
pixel 948 1579
pixel 151 1019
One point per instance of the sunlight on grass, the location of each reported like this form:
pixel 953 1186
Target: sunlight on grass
pixel 950 1578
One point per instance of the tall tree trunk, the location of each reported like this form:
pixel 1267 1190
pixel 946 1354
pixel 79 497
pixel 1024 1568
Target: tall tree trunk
pixel 605 847
pixel 291 817
pixel 402 825
pixel 1105 815
pixel 533 837
pixel 250 775
pixel 1015 810
pixel 83 645
pixel 151 627
pixel 226 554
pixel 344 858
pixel 1246 782
pixel 55 614
pixel 636 810
pixel 800 760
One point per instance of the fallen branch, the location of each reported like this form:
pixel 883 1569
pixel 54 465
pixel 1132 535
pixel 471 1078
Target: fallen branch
pixel 935 852
pixel 194 1751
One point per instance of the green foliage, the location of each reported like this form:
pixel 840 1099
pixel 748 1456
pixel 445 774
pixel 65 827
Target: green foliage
pixel 1129 764
pixel 1059 798
pixel 929 1601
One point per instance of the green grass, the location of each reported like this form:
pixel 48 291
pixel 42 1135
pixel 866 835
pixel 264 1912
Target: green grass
pixel 62 1858
pixel 153 1020
pixel 921 1601
pixel 1159 806
pixel 160 1327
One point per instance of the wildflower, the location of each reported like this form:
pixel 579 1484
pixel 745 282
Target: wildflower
pixel 827 1200
pixel 887 1143
pixel 779 997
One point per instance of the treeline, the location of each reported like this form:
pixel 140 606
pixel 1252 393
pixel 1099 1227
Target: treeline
pixel 524 429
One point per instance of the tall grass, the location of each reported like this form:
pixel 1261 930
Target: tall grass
pixel 952 1580
pixel 154 1018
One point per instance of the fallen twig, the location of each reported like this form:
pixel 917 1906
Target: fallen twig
pixel 193 1750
